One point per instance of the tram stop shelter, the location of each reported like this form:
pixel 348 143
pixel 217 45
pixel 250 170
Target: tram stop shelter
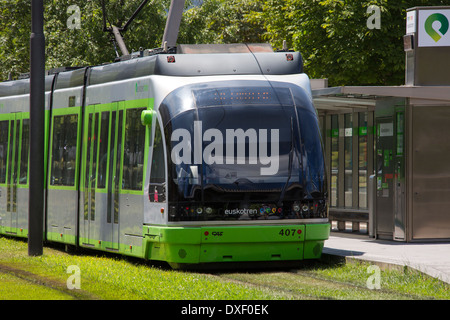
pixel 387 148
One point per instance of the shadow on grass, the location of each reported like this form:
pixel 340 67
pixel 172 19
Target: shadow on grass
pixel 325 262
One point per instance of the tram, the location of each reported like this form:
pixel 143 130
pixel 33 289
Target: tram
pixel 206 154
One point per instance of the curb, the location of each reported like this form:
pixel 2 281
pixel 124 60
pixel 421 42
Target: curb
pixel 386 265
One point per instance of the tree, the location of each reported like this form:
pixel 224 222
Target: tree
pixel 15 26
pixel 69 46
pixel 222 21
pixel 336 43
pixel 332 35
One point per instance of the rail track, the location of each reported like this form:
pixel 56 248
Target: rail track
pixel 304 284
pixel 28 280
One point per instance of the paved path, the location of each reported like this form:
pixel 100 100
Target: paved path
pixel 430 258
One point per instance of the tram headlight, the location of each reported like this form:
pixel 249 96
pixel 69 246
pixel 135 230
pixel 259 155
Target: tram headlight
pixel 305 208
pixel 208 210
pixel 199 210
pixel 296 207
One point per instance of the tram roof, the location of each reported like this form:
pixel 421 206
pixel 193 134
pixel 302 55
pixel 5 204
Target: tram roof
pixel 183 61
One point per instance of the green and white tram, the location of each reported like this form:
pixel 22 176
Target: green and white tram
pixel 188 158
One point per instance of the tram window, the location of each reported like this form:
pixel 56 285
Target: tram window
pixel 64 150
pixel 3 149
pixel 158 169
pixel 25 150
pixel 103 150
pixel 133 161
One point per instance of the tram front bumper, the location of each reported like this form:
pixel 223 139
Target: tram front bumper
pixel 192 245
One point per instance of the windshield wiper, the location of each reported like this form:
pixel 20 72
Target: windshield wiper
pixel 291 153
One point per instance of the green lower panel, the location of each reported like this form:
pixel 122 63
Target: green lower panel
pixel 315 236
pixel 317 231
pixel 126 249
pixel 16 232
pixel 192 245
pixel 177 253
pixel 130 250
pixel 240 243
pixel 313 249
pixel 251 252
pixel 61 237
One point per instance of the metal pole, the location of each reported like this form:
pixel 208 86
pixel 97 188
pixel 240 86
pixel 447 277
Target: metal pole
pixel 37 109
pixel 173 22
pixel 125 27
pixel 119 40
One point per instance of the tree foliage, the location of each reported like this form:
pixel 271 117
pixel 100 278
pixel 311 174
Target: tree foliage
pixel 66 46
pixel 336 42
pixel 14 36
pixel 223 21
pixel 332 35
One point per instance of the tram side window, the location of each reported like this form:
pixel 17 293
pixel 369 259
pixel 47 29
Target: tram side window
pixel 64 150
pixel 3 149
pixel 25 150
pixel 133 162
pixel 158 168
pixel 103 150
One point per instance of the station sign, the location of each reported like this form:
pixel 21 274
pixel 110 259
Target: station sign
pixel 432 27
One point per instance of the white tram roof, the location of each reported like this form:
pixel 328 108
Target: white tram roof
pixel 188 61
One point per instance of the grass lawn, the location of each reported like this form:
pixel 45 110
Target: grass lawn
pixel 117 278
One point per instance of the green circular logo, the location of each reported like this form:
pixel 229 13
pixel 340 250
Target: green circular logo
pixel 429 26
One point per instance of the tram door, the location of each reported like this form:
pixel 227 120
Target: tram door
pixel 103 149
pixel 14 149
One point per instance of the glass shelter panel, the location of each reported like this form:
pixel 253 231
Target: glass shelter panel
pixel 348 157
pixel 334 159
pixel 362 159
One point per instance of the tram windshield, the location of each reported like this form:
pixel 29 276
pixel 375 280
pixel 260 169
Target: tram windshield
pixel 244 147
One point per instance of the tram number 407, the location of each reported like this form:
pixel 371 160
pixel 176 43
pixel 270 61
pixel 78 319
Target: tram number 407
pixel 289 232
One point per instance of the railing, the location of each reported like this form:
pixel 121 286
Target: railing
pixel 359 219
pixel 362 220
